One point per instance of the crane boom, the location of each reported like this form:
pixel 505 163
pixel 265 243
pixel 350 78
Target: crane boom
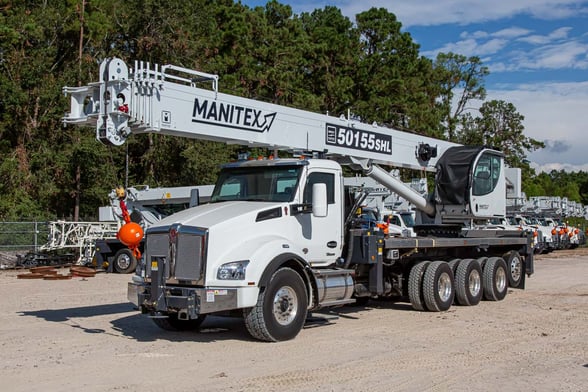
pixel 169 100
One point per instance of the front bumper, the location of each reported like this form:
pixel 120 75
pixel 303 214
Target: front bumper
pixel 192 301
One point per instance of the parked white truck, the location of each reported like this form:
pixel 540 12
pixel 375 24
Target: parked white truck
pixel 274 242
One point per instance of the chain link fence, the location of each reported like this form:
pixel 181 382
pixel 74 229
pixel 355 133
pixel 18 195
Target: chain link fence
pixel 19 239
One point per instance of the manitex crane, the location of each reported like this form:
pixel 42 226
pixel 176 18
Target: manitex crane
pixel 275 240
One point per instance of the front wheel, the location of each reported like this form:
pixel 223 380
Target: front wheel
pixel 124 261
pixel 281 308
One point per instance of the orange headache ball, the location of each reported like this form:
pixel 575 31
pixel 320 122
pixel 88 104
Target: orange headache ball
pixel 130 234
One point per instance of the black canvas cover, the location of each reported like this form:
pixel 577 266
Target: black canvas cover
pixel 454 174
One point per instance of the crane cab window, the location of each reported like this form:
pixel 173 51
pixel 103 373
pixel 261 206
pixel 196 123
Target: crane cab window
pixel 486 174
pixel 320 178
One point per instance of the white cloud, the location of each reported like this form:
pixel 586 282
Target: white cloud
pixel 470 47
pixel 551 51
pixel 434 12
pixel 511 32
pixel 475 35
pixel 508 33
pixel 565 55
pixel 557 113
pixel 548 167
pixel 556 35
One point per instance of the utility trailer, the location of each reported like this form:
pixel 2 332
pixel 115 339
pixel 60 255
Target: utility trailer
pixel 275 241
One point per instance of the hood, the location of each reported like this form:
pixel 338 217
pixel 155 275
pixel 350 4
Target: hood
pixel 208 215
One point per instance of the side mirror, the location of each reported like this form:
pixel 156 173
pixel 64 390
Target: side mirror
pixel 319 200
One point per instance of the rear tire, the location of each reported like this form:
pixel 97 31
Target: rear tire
pixel 495 279
pixel 415 285
pixel 453 264
pixel 468 283
pixel 281 308
pixel 438 289
pixel 172 323
pixel 124 261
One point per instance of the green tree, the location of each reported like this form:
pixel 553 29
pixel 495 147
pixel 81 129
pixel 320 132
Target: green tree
pixel 501 126
pixel 393 83
pixel 461 76
pixel 330 56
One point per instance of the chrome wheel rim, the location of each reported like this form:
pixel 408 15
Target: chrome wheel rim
pixel 123 261
pixel 475 283
pixel 445 287
pixel 500 279
pixel 515 269
pixel 285 305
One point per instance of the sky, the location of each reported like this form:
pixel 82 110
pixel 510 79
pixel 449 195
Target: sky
pixel 536 51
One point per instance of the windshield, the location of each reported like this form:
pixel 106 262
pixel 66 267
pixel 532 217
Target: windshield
pixel 274 184
pixel 408 220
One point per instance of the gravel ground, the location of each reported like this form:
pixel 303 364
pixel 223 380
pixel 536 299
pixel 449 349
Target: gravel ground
pixel 64 335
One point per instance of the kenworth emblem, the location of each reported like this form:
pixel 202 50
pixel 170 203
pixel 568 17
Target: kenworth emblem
pixel 226 114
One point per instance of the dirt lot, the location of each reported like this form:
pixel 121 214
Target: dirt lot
pixel 82 334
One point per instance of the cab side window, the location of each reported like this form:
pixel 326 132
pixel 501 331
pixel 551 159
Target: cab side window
pixel 486 174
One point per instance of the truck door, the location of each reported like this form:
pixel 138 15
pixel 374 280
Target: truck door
pixel 488 186
pixel 322 236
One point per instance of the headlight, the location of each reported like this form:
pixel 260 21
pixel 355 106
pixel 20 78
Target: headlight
pixel 232 271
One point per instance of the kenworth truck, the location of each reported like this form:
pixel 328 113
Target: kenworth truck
pixel 275 241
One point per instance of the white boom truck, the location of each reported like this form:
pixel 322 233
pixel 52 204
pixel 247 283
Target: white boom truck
pixel 274 242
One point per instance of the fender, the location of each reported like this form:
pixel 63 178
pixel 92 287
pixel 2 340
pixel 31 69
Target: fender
pixel 296 263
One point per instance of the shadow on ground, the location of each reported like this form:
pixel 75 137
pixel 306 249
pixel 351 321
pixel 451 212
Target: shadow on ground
pixel 139 327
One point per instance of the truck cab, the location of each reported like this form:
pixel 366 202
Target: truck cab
pixel 263 216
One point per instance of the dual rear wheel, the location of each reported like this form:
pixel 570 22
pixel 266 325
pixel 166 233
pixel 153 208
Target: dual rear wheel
pixel 430 286
pixel 434 286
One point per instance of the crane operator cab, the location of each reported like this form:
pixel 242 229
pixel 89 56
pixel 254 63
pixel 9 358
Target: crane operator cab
pixel 470 183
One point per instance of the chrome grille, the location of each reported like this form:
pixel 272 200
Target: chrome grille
pixel 189 257
pixel 181 249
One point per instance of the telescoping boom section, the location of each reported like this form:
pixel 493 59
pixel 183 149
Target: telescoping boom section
pixel 182 102
pixel 281 237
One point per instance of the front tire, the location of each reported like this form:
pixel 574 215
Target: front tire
pixel 124 261
pixel 281 308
